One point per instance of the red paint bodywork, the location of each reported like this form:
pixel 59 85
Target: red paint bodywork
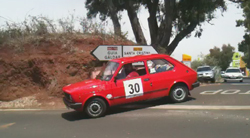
pixel 161 83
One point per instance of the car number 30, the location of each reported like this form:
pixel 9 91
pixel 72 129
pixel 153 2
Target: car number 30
pixel 133 88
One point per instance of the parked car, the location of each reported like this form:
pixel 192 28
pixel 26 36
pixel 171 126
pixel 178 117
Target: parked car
pixel 131 79
pixel 232 73
pixel 205 73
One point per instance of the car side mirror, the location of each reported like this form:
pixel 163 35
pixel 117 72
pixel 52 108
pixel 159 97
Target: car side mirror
pixel 222 72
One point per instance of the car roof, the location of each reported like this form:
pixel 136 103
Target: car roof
pixel 140 57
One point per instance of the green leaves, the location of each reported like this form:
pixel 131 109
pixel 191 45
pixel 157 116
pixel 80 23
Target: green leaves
pixel 244 45
pixel 223 55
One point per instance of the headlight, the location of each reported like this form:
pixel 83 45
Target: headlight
pixel 68 96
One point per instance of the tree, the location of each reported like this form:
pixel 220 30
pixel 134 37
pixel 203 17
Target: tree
pixel 224 56
pixel 205 60
pixel 110 8
pixel 106 8
pixel 167 18
pixel 244 45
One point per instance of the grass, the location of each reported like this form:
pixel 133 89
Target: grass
pixel 36 29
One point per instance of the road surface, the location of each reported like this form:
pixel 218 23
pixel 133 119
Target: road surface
pixel 143 123
pixel 143 120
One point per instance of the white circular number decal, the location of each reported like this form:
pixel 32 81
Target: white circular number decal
pixel 133 88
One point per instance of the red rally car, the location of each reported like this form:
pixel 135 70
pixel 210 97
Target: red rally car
pixel 131 79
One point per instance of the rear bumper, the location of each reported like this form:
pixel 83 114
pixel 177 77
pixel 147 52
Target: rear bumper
pixel 196 84
pixel 72 105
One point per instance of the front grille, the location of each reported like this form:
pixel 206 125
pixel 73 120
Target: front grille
pixel 68 96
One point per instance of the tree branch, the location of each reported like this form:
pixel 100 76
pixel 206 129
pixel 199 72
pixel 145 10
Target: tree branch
pixel 180 36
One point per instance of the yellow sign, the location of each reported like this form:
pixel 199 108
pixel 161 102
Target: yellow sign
pixel 137 48
pixel 236 59
pixel 186 57
pixel 242 63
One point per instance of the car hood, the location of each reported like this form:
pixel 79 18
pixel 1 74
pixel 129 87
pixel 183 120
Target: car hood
pixel 231 74
pixel 87 85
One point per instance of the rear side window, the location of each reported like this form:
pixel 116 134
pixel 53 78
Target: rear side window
pixel 159 65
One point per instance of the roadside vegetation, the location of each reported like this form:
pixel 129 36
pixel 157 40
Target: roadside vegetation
pixel 39 55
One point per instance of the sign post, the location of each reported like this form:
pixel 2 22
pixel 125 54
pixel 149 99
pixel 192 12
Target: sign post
pixel 108 52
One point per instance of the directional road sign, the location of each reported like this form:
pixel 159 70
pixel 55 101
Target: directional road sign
pixel 108 52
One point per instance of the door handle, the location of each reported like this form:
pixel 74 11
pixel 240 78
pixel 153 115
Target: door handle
pixel 146 79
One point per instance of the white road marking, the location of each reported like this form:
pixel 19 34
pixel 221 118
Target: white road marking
pixel 248 92
pixel 211 92
pixel 6 125
pixel 244 84
pixel 232 91
pixel 201 107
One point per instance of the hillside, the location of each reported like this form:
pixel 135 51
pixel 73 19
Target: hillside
pixel 40 66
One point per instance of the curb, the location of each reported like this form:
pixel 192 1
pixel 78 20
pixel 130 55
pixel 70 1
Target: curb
pixel 200 107
pixel 21 109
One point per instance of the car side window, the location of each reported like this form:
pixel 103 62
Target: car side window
pixel 131 70
pixel 159 65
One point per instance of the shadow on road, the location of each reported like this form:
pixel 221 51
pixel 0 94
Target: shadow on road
pixel 76 116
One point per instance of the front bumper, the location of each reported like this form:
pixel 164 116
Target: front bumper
pixel 232 78
pixel 71 104
pixel 205 77
pixel 196 84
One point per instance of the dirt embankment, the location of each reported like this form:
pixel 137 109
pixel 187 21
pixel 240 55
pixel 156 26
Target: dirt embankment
pixel 42 68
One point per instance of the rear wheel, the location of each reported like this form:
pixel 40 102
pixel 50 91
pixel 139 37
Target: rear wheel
pixel 179 93
pixel 225 80
pixel 96 108
pixel 241 80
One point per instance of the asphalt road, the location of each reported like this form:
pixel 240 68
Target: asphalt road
pixel 230 93
pixel 143 123
pixel 142 120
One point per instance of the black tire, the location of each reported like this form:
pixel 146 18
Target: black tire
pixel 241 80
pixel 213 80
pixel 96 108
pixel 225 80
pixel 179 93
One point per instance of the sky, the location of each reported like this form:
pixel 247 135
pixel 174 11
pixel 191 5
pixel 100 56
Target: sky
pixel 222 32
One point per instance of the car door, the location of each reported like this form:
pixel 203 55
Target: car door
pixel 128 90
pixel 162 75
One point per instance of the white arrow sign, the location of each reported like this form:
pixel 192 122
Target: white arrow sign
pixel 108 52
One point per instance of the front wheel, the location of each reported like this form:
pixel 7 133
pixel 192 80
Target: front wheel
pixel 96 108
pixel 179 94
pixel 241 80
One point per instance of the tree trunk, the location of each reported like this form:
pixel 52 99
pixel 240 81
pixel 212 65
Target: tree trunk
pixel 167 23
pixel 114 18
pixel 136 27
pixel 152 21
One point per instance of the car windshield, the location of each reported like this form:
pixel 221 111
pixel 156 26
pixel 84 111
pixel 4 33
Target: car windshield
pixel 107 73
pixel 232 70
pixel 204 69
